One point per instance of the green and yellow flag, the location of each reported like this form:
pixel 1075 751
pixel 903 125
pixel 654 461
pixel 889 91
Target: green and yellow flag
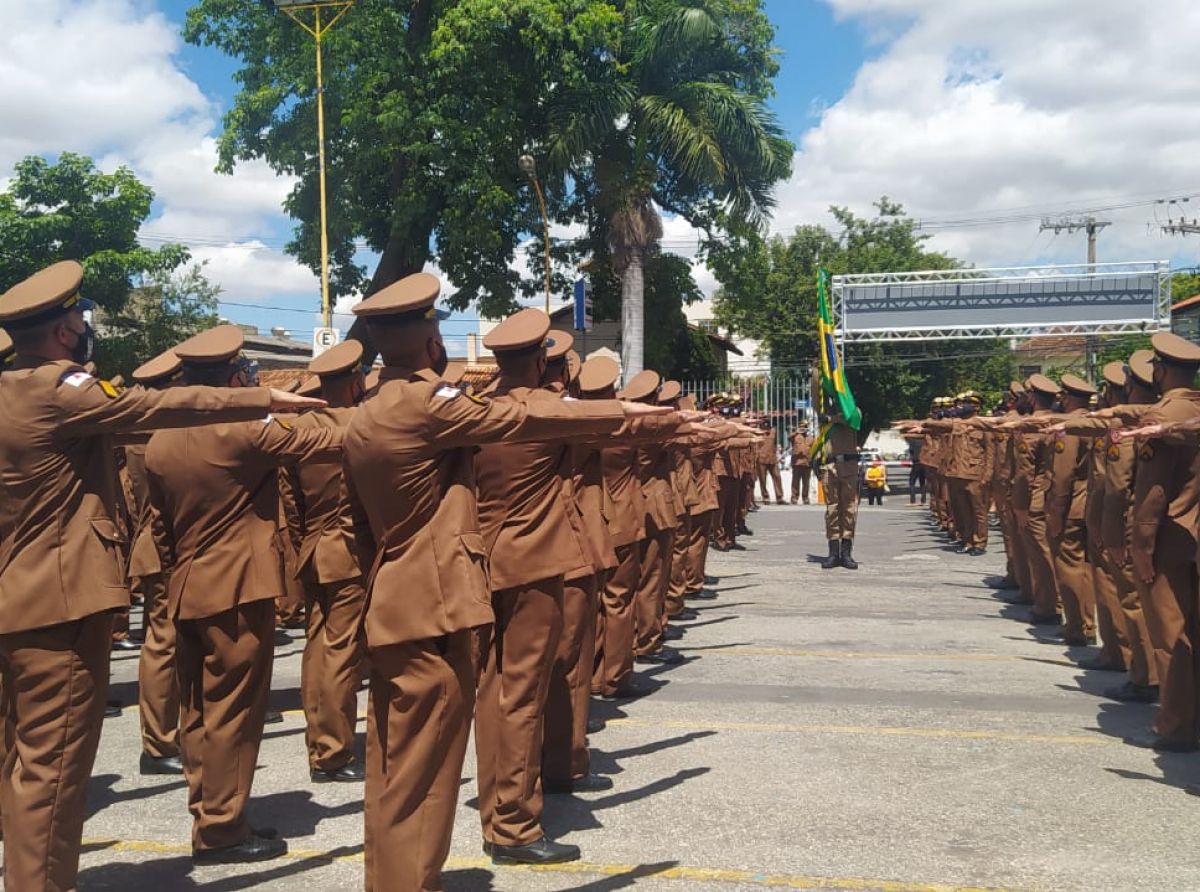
pixel 832 375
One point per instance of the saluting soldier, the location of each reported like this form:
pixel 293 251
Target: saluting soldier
pixel 1066 499
pixel 1035 452
pixel 768 465
pixel 214 499
pixel 566 760
pixel 1164 542
pixel 158 681
pixel 801 445
pixel 322 537
pixel 61 575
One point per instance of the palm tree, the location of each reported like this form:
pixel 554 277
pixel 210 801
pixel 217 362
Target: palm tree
pixel 675 119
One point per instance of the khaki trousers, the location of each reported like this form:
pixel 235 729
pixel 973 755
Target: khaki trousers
pixel 158 680
pixel 770 469
pixel 331 669
pixel 418 722
pixel 725 531
pixel 510 714
pixel 697 554
pixel 1169 604
pixel 1143 669
pixel 565 755
pixel 1041 565
pixel 289 607
pixel 841 504
pixel 969 505
pixel 801 476
pixel 652 589
pixel 224 679
pixel 1110 621
pixel 1071 575
pixel 55 683
pixel 678 583
pixel 616 624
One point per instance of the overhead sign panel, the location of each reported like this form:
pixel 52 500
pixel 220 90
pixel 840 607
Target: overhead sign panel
pixel 1025 301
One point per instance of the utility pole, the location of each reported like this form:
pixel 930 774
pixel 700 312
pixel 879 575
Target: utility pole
pixel 1090 225
pixel 1182 228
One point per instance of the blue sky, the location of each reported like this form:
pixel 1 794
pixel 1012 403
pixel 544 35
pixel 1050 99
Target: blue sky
pixel 958 109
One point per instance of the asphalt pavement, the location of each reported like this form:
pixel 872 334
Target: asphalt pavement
pixel 898 728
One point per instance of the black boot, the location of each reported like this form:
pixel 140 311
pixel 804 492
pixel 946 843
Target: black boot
pixel 848 560
pixel 835 555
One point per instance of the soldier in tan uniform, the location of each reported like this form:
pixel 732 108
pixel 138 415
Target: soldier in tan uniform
pixel 839 479
pixel 1164 541
pixel 566 760
pixel 1066 498
pixel 214 497
pixel 158 682
pixel 410 462
pixel 1035 451
pixel 801 445
pixel 968 469
pixel 768 465
pixel 61 576
pixel 1003 468
pixel 322 537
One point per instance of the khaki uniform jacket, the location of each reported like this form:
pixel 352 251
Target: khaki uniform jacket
pixel 215 503
pixel 842 442
pixel 1167 489
pixel 143 555
pixel 60 554
pixel 409 457
pixel 1066 496
pixel 1030 461
pixel 594 504
pixel 801 445
pixel 320 526
pixel 627 523
pixel 768 454
pixel 525 514
pixel 663 506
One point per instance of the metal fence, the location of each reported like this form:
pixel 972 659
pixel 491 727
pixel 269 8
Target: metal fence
pixel 784 398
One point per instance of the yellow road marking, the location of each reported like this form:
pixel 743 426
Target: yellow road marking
pixel 866 730
pixel 693 874
pixel 869 655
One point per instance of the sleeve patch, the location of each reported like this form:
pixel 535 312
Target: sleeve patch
pixel 268 419
pixel 76 379
pixel 448 393
pixel 110 389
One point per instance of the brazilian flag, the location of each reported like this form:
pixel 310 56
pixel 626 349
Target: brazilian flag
pixel 832 376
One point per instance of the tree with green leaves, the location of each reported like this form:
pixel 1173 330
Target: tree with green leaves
pixel 429 104
pixel 769 293
pixel 69 210
pixel 678 122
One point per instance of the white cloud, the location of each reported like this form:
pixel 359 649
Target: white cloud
pixel 101 78
pixel 974 107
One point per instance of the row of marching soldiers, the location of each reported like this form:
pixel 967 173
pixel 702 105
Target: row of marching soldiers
pixel 1097 491
pixel 498 557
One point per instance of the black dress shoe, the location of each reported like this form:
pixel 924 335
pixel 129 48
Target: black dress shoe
pixel 745 531
pixel 282 638
pixel 273 717
pixel 126 644
pixel 711 580
pixel 687 614
pixel 631 691
pixel 1133 693
pixel 736 547
pixel 1078 640
pixel 544 851
pixel 1099 663
pixel 595 726
pixel 664 656
pixel 112 710
pixel 1162 744
pixel 352 772
pixel 148 764
pixel 589 783
pixel 254 848
pixel 703 594
pixel 976 552
pixel 671 633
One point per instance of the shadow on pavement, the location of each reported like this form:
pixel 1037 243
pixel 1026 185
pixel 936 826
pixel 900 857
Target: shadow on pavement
pixel 177 872
pixel 101 793
pixel 478 880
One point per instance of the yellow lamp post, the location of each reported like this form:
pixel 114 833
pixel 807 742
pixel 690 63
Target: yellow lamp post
pixel 317 29
pixel 528 166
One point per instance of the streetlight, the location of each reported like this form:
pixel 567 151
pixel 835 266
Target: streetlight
pixel 529 167
pixel 317 30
